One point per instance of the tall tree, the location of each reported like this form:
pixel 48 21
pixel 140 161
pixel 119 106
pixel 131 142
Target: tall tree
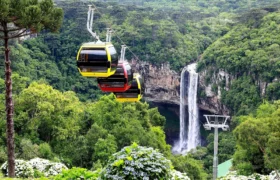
pixel 20 18
pixel 258 140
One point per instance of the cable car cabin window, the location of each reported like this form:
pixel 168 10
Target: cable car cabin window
pixel 134 85
pixel 119 72
pixel 114 57
pixel 111 83
pixel 117 80
pixel 93 60
pixel 96 54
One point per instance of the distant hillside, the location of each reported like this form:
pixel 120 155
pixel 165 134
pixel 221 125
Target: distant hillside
pixel 250 54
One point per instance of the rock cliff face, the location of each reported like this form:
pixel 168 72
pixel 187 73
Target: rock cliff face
pixel 162 85
pixel 212 100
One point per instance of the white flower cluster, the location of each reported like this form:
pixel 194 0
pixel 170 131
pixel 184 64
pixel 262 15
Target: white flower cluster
pixel 47 167
pixel 26 169
pixel 233 176
pixel 177 175
pixel 22 169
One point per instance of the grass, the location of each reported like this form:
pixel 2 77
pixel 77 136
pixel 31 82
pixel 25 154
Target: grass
pixel 2 177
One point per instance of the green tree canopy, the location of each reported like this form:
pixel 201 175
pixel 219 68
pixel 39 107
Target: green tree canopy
pixel 30 15
pixel 258 141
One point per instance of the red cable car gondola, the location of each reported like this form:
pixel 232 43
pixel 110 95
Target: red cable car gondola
pixel 120 81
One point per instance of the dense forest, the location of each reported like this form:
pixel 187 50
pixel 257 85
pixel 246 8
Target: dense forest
pixel 64 117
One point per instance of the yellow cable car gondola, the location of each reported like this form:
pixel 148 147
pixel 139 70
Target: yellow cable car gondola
pixel 97 59
pixel 134 93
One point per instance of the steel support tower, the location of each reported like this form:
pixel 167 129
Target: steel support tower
pixel 216 122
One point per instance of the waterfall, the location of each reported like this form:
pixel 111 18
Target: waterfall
pixel 179 146
pixel 194 128
pixel 190 141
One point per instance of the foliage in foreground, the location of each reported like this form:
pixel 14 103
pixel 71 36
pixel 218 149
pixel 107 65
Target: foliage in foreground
pixel 50 124
pixel 77 173
pixel 132 162
pixel 22 169
pixel 258 139
pixel 234 176
pixel 34 168
pixel 189 165
pixel 137 162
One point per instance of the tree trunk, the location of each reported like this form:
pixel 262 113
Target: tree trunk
pixel 9 110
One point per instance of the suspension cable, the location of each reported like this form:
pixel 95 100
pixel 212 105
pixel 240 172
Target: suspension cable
pixel 127 47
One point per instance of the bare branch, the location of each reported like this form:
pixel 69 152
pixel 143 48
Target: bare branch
pixel 19 34
pixel 10 30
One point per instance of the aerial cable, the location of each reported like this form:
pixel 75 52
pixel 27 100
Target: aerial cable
pixel 127 47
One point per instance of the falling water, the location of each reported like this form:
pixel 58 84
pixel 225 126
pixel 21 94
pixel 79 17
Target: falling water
pixel 180 146
pixel 194 129
pixel 185 144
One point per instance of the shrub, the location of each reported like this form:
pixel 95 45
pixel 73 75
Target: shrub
pixel 46 167
pixel 45 151
pixel 55 169
pixel 28 150
pixel 3 155
pixel 35 168
pixel 77 173
pixel 136 162
pixel 176 175
pixel 187 164
pixel 22 169
pixel 232 175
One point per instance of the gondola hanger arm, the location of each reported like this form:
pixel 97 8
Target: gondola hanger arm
pixel 90 22
pixel 122 58
pixel 109 34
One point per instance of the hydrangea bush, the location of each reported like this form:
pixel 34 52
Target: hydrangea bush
pixel 25 169
pixel 136 162
pixel 22 169
pixel 234 176
pixel 47 167
pixel 177 175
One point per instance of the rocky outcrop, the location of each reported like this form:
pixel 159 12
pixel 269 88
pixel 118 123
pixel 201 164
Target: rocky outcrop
pixel 212 97
pixel 162 85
